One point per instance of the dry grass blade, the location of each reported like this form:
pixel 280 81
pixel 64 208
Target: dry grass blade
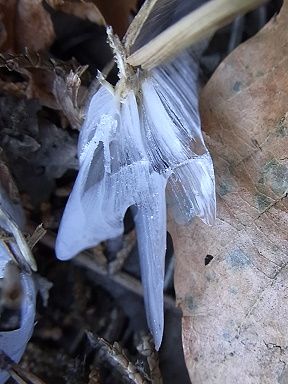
pixel 20 240
pixel 36 236
pixel 21 376
pixel 137 23
pixel 190 29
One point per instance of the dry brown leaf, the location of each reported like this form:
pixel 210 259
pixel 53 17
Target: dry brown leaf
pixel 113 12
pixel 116 13
pixel 82 9
pixel 235 308
pixel 25 23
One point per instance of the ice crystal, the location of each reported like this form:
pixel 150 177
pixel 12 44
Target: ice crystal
pixel 13 342
pixel 141 146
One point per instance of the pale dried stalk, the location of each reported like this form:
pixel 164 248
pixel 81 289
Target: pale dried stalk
pixel 20 240
pixel 137 24
pixel 20 375
pixel 129 242
pixel 36 236
pixel 24 377
pixel 93 261
pixel 189 30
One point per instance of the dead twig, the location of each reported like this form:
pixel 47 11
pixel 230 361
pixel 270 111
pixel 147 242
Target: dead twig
pixel 96 261
pixel 121 256
pixel 116 357
pixel 21 376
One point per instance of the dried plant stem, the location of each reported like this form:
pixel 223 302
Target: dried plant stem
pixel 137 24
pixel 20 240
pixel 94 262
pixel 116 357
pixel 129 242
pixel 36 236
pixel 190 29
pixel 20 376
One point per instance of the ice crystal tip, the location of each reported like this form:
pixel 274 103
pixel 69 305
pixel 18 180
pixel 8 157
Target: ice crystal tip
pixel 145 152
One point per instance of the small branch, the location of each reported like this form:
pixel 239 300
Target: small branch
pixel 122 255
pixel 93 260
pixel 189 30
pixel 20 375
pixel 116 357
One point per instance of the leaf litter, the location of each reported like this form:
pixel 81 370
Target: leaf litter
pixel 235 306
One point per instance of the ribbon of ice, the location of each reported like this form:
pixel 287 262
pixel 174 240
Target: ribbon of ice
pixel 14 342
pixel 141 146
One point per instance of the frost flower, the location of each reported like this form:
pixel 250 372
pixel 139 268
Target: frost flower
pixel 141 146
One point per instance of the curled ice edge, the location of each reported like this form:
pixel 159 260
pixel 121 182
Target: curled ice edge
pixel 130 149
pixel 14 342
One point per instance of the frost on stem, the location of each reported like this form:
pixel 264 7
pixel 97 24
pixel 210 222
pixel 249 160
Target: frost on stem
pixel 141 148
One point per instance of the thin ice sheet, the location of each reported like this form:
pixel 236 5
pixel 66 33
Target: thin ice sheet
pixel 130 149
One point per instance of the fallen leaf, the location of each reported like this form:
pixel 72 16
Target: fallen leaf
pixel 113 12
pixel 231 279
pixel 116 13
pixel 82 9
pixel 25 23
pixel 26 29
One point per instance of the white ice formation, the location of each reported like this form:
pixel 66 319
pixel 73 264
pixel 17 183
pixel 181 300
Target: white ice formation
pixel 13 342
pixel 141 148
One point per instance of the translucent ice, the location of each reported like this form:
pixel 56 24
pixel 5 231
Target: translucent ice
pixel 135 148
pixel 14 342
